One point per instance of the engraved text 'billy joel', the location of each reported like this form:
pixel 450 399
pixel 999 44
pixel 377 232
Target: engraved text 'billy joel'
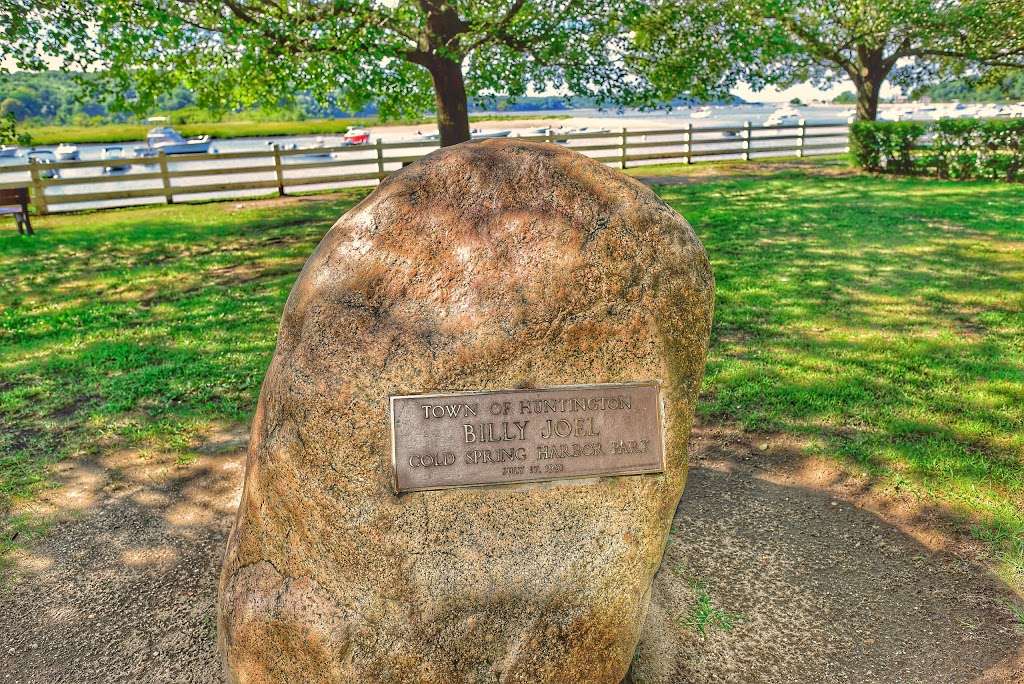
pixel 476 438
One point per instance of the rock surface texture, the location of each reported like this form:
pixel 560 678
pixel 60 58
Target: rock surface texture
pixel 487 265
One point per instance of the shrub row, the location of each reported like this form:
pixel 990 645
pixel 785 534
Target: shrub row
pixel 951 148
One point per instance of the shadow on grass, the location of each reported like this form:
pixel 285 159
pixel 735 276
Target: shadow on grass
pixel 878 319
pixel 882 320
pixel 141 326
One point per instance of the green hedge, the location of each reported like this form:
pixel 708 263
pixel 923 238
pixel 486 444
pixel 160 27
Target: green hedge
pixel 951 148
pixel 885 146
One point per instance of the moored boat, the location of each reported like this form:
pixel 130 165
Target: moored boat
pixel 896 114
pixel 563 136
pixel 116 156
pixel 477 134
pixel 44 157
pixel 319 149
pixel 8 151
pixel 169 141
pixel 786 116
pixel 356 136
pixel 67 152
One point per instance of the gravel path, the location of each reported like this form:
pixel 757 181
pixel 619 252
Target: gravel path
pixel 813 576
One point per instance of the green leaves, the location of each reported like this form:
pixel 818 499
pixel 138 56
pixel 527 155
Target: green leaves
pixel 958 149
pixel 705 47
pixel 973 148
pixel 237 53
pixel 885 145
pixel 7 134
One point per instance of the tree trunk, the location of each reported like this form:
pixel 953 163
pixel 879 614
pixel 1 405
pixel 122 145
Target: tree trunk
pixel 868 76
pixel 867 99
pixel 450 94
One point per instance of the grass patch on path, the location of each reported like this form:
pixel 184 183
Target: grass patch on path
pixel 876 320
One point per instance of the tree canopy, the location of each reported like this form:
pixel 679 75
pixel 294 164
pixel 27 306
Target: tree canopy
pixel 404 55
pixel 999 87
pixel 718 43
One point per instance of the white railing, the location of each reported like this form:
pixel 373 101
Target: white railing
pixel 72 185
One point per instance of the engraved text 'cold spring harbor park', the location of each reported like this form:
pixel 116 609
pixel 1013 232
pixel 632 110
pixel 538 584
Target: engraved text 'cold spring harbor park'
pixel 501 437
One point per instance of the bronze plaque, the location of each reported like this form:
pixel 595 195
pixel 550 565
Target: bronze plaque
pixel 466 439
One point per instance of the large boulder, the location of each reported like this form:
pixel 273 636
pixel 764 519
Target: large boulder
pixel 493 264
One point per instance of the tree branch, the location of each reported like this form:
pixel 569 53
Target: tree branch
pixel 497 32
pixel 815 45
pixel 988 60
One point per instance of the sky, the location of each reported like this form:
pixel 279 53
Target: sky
pixel 805 91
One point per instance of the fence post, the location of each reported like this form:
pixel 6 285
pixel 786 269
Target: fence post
pixel 689 142
pixel 551 136
pixel 746 141
pixel 278 170
pixel 380 159
pixel 38 191
pixel 623 162
pixel 800 139
pixel 165 178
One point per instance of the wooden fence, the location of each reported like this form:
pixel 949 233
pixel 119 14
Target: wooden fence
pixel 204 176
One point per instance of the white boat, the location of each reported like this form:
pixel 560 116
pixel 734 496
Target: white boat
pixel 114 154
pixel 786 116
pixel 66 152
pixel 896 114
pixel 475 134
pixel 44 157
pixel 318 149
pixel 701 113
pixel 8 151
pixel 585 129
pixel 169 141
pixel 563 136
pixel 480 135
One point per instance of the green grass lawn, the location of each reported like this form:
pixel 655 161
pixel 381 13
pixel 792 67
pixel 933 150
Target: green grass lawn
pixel 879 321
pixel 110 133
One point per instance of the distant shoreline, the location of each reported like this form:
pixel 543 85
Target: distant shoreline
pixel 118 133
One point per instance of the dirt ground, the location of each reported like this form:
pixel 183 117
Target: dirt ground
pixel 823 578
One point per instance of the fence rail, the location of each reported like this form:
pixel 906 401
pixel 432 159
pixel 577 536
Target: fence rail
pixel 205 176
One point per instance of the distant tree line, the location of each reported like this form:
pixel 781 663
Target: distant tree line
pixel 55 97
pixel 1008 88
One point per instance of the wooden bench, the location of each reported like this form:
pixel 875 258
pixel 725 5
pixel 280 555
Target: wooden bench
pixel 14 201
